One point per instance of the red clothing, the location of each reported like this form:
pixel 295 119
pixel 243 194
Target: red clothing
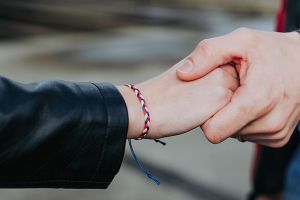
pixel 281 16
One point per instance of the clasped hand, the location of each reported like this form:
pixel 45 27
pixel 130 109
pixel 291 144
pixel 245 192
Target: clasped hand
pixel 265 107
pixel 257 99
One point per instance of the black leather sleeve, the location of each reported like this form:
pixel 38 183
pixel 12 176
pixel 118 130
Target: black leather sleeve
pixel 58 134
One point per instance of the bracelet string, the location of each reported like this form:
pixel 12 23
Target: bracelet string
pixel 143 103
pixel 144 133
pixel 141 166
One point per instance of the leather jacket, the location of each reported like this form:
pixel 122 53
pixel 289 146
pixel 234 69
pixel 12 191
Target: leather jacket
pixel 293 15
pixel 58 134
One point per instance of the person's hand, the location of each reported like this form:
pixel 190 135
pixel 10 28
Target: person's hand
pixel 176 106
pixel 265 108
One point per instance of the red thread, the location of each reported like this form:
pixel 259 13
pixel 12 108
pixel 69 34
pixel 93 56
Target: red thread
pixel 142 101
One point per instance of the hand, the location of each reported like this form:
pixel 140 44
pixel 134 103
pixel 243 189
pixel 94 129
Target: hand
pixel 175 106
pixel 265 108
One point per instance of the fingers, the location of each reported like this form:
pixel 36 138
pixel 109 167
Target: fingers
pixel 214 100
pixel 278 139
pixel 212 53
pixel 222 77
pixel 230 70
pixel 233 81
pixel 234 116
pixel 272 122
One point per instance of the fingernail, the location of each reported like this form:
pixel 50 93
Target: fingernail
pixel 186 67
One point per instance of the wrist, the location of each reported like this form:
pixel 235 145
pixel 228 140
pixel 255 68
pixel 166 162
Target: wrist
pixel 135 113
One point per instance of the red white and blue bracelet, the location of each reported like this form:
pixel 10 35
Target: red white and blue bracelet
pixel 143 103
pixel 146 129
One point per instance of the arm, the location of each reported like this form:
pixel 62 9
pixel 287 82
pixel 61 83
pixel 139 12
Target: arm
pixel 72 135
pixel 60 134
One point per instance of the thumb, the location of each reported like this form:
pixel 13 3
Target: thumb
pixel 210 54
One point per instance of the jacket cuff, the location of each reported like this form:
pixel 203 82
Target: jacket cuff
pixel 116 133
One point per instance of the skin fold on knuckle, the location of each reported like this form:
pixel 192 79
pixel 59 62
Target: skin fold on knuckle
pixel 222 95
pixel 275 139
pixel 280 135
pixel 274 142
pixel 247 34
pixel 275 126
pixel 205 48
pixel 268 128
pixel 230 82
pixel 247 107
pixel 219 77
pixel 242 31
pixel 230 70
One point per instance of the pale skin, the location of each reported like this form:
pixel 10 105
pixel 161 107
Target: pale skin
pixel 174 105
pixel 265 108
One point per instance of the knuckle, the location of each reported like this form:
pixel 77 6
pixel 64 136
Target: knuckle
pixel 203 44
pixel 206 47
pixel 219 75
pixel 246 107
pixel 222 93
pixel 262 101
pixel 211 134
pixel 248 34
pixel 275 126
pixel 259 99
pixel 243 30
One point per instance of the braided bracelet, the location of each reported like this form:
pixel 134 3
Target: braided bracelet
pixel 142 101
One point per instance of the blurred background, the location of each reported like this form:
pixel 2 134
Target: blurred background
pixel 124 41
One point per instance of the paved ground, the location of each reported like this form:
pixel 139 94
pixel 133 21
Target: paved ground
pixel 189 167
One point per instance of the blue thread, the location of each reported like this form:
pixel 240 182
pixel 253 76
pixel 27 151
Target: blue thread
pixel 140 165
